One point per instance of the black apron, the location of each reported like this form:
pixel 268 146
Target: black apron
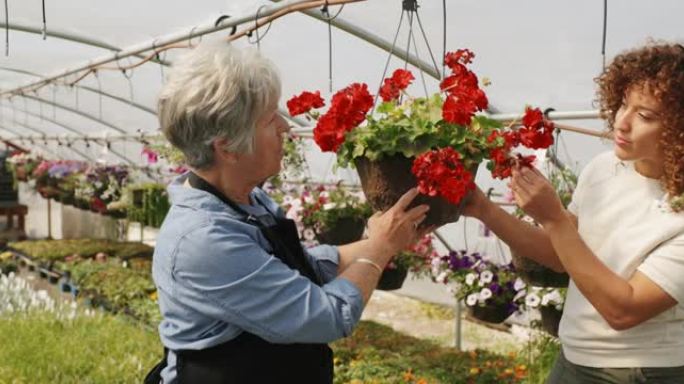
pixel 249 358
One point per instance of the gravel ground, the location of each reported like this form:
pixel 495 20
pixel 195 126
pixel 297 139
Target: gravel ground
pixel 436 322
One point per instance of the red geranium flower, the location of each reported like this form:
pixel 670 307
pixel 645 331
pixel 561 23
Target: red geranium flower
pixel 441 172
pixel 348 109
pixel 392 86
pixel 305 102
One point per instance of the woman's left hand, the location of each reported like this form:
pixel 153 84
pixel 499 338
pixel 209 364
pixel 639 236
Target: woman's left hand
pixel 535 195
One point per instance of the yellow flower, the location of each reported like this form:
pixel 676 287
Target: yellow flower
pixel 474 371
pixel 6 255
pixel 154 295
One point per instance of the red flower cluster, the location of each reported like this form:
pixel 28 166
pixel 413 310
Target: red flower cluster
pixel 464 96
pixel 393 86
pixel 441 172
pixel 348 109
pixel 536 133
pixel 305 102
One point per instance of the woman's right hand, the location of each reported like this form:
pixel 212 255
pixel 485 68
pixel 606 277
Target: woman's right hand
pixel 397 228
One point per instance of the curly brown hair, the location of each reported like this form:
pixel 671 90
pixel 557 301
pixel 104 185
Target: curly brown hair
pixel 660 68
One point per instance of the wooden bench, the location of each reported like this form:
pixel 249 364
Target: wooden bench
pixel 10 209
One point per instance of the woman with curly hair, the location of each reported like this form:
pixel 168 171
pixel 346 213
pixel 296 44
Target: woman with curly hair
pixel 621 240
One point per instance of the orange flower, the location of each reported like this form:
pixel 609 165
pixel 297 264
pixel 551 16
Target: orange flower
pixel 408 376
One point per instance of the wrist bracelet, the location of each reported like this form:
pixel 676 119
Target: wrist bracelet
pixel 369 262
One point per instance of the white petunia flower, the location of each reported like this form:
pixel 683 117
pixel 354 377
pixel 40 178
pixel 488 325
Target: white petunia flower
pixel 471 299
pixel 485 294
pixel 532 300
pixel 519 284
pixel 486 277
pixel 470 278
pixel 441 278
pixel 329 206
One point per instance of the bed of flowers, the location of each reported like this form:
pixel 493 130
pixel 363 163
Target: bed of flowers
pixel 436 142
pixel 46 340
pixel 115 275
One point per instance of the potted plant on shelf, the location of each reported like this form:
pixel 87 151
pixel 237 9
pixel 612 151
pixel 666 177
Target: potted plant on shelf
pixel 148 203
pixel 436 143
pixel 488 289
pixel 49 175
pixel 21 165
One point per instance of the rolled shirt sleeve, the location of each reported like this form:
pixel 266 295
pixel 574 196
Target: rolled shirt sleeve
pixel 665 267
pixel 229 277
pixel 325 260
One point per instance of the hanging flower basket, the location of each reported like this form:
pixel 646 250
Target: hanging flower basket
pixel 392 278
pixel 435 142
pixel 550 319
pixel 491 313
pixel 384 181
pixel 48 192
pixel 344 231
pixel 538 275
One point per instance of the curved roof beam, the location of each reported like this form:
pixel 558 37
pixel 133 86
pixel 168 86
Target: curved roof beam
pixel 75 38
pixel 46 148
pixel 73 110
pixel 87 88
pixel 276 10
pixel 48 119
pixel 70 129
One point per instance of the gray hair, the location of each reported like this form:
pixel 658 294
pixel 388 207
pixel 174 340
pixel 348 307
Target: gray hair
pixel 216 91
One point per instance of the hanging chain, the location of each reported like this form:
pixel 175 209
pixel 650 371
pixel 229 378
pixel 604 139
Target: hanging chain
pixel 99 87
pixel 605 30
pixel 44 23
pixel 6 28
pixel 389 57
pixel 54 102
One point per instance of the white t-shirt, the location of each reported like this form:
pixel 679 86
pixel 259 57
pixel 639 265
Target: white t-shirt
pixel 625 220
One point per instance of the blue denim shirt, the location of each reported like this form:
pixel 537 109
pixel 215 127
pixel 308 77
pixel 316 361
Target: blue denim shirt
pixel 216 278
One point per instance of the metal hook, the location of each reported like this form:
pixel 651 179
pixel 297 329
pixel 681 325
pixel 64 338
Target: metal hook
pixel 192 31
pixel 220 20
pixel 256 28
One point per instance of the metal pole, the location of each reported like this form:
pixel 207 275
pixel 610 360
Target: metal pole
pixel 553 115
pixel 457 326
pixel 49 219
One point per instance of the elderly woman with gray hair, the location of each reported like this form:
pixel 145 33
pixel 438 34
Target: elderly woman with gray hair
pixel 241 300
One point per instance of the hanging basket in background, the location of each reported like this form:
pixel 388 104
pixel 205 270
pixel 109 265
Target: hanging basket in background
pixel 343 231
pixel 490 313
pixel 538 275
pixel 392 278
pixel 550 319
